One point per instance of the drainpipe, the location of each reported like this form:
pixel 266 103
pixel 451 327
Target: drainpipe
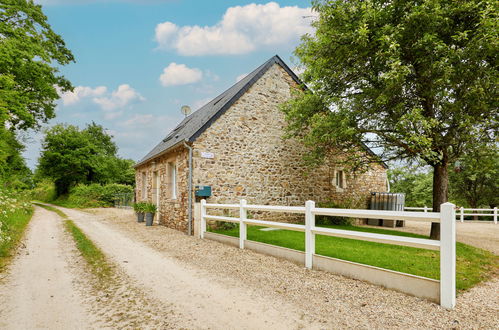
pixel 189 229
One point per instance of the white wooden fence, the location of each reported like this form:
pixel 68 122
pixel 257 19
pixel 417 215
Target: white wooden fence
pixel 446 245
pixel 463 212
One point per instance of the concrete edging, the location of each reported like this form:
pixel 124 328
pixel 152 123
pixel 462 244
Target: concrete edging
pixel 410 284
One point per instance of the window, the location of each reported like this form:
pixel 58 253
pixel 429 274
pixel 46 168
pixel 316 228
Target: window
pixel 144 185
pixel 155 188
pixel 340 179
pixel 172 169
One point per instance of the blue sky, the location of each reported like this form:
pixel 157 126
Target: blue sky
pixel 138 62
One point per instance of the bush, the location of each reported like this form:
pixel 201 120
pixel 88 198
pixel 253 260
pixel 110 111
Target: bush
pixel 44 191
pixel 149 208
pixel 96 195
pixel 332 220
pixel 139 207
pixel 15 213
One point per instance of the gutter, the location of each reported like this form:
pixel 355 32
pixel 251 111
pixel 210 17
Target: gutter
pixel 189 228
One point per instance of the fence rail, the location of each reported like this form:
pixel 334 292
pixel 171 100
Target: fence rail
pixel 446 245
pixel 463 212
pixel 124 200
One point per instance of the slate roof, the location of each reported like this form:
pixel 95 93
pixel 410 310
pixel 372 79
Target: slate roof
pixel 196 123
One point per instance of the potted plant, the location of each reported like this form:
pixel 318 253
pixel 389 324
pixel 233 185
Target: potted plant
pixel 149 209
pixel 139 210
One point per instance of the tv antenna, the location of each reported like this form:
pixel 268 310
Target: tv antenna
pixel 186 110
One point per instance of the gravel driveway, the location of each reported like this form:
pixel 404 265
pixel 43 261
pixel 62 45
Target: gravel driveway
pixel 482 234
pixel 218 286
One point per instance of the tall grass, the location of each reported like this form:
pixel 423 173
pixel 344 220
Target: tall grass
pixel 15 214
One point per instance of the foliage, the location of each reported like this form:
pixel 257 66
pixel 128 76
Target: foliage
pixel 472 265
pixel 44 191
pixel 474 181
pixel 150 208
pixel 334 220
pixel 15 213
pixel 416 184
pixel 139 207
pixel 412 79
pixel 93 195
pixel 14 174
pixel 71 156
pixel 30 56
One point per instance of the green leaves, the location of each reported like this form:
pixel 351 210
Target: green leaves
pixel 418 79
pixel 29 55
pixel 71 156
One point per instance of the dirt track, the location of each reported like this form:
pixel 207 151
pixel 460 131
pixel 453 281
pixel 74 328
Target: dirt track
pixel 39 291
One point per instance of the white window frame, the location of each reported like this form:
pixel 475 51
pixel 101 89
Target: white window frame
pixel 340 180
pixel 173 179
pixel 144 185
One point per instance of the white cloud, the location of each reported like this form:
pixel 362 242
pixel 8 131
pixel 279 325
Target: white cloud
pixel 241 30
pixel 80 92
pixel 241 76
pixel 179 74
pixel 119 98
pixel 139 120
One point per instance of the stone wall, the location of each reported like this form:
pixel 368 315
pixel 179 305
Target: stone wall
pixel 172 212
pixel 253 161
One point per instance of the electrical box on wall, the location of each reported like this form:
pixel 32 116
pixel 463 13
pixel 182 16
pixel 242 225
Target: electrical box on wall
pixel 203 191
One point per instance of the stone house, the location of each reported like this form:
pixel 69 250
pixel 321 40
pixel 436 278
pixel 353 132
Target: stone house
pixel 234 145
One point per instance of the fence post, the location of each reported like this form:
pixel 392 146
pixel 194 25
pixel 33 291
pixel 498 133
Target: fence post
pixel 309 236
pixel 495 215
pixel 447 255
pixel 462 214
pixel 425 209
pixel 243 213
pixel 203 219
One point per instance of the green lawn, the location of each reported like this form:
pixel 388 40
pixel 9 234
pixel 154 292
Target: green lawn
pixel 473 265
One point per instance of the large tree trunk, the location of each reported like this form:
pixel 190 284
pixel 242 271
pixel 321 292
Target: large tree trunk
pixel 440 194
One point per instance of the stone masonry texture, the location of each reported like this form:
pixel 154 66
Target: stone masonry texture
pixel 254 162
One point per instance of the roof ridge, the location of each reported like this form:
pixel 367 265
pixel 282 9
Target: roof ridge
pixel 212 110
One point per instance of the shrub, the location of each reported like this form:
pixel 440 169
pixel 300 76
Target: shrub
pixel 139 207
pixel 44 191
pixel 96 195
pixel 333 220
pixel 15 213
pixel 149 208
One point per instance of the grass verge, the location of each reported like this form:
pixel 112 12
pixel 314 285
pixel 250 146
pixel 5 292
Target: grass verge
pixel 14 228
pixel 473 265
pixel 94 256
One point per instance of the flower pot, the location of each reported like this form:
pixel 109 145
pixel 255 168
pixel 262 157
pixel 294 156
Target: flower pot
pixel 149 218
pixel 140 217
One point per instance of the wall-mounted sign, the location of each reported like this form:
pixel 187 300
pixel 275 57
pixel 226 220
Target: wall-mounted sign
pixel 205 154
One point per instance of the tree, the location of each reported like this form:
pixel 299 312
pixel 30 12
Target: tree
pixel 29 54
pixel 475 178
pixel 414 182
pixel 413 79
pixel 14 173
pixel 71 156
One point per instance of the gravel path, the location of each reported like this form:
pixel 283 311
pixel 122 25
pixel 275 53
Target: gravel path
pixel 188 290
pixel 314 297
pixel 39 290
pixel 484 235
